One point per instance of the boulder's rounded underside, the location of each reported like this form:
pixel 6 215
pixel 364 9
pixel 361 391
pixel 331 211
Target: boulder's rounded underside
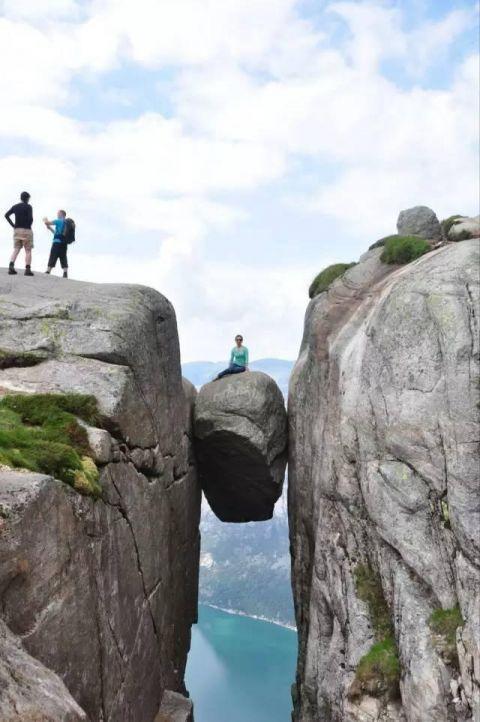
pixel 238 483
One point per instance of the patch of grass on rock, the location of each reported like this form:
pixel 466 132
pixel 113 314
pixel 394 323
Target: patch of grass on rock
pixel 325 278
pixel 369 590
pixel 40 432
pixel 378 672
pixel 403 249
pixel 444 624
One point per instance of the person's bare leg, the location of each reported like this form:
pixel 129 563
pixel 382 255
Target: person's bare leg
pixel 28 261
pixel 13 258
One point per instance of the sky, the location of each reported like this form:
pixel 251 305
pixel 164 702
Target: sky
pixel 225 151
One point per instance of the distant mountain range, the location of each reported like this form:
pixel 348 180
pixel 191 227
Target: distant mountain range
pixel 201 372
pixel 246 567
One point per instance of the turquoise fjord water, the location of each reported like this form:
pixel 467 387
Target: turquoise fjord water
pixel 240 669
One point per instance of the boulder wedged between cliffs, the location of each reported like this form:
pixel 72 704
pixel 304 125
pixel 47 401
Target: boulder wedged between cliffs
pixel 240 428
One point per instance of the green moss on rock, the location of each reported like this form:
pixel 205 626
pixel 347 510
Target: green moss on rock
pixel 40 432
pixel 369 590
pixel 325 278
pixel 444 624
pixel 378 672
pixel 403 249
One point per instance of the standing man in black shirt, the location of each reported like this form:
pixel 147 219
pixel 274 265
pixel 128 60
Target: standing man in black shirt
pixel 22 232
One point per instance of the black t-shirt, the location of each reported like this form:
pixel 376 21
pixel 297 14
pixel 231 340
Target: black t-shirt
pixel 23 215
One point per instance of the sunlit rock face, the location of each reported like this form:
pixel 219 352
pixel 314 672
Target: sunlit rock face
pixel 241 442
pixel 383 493
pixel 101 593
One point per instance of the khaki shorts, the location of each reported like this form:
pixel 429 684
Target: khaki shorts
pixel 23 238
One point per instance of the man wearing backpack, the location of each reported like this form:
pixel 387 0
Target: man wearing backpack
pixel 63 230
pixel 22 232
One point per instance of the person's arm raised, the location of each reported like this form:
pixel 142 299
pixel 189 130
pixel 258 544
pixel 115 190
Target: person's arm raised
pixel 49 224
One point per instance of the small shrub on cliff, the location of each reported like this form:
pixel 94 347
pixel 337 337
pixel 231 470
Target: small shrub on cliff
pixel 378 672
pixel 40 432
pixel 444 624
pixel 447 223
pixel 325 278
pixel 403 249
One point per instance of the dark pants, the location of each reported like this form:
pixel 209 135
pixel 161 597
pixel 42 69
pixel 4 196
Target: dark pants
pixel 58 252
pixel 232 369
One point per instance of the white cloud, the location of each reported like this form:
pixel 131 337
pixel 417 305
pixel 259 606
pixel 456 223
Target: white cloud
pixel 377 33
pixel 222 300
pixel 33 10
pixel 257 90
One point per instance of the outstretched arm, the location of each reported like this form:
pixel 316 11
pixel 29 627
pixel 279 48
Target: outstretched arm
pixel 49 224
pixel 7 216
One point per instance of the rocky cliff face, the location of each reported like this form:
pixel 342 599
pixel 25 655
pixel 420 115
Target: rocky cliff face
pixel 383 493
pixel 99 594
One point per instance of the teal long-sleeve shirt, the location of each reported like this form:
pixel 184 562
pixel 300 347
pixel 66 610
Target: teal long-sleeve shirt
pixel 239 356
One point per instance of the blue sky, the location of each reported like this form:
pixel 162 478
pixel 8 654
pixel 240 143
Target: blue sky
pixel 225 151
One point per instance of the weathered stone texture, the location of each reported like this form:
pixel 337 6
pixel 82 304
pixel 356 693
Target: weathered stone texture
pixel 103 592
pixel 241 444
pixel 465 226
pixel 419 221
pixel 175 708
pixel 29 692
pixel 383 471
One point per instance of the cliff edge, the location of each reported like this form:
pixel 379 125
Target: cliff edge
pixel 99 557
pixel 383 493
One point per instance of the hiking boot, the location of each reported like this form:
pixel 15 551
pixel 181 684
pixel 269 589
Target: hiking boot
pixel 65 274
pixel 28 272
pixel 11 269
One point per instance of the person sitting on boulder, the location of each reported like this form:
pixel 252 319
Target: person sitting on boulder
pixel 238 359
pixel 59 245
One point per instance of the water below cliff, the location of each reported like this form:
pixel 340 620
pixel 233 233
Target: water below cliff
pixel 240 669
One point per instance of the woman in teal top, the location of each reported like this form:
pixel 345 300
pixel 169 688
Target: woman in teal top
pixel 238 359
